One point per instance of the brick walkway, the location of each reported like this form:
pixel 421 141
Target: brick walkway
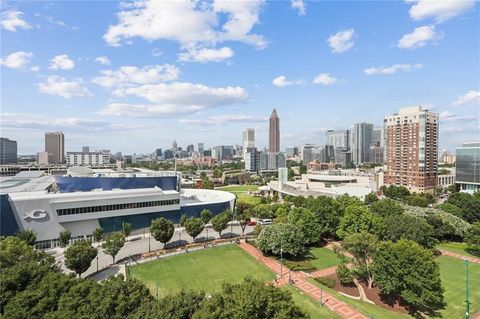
pixel 300 279
pixel 455 255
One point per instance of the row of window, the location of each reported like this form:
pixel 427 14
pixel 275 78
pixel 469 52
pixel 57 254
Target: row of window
pixel 103 208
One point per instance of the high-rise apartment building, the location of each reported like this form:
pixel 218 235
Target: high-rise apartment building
pixel 174 146
pixel 362 139
pixel 291 151
pixel 8 151
pixel 411 149
pixel 377 137
pixel 274 133
pixel 339 138
pixel 55 147
pixel 467 167
pixel 200 148
pixel 248 138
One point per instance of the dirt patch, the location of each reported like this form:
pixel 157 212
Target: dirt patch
pixel 348 290
pixel 375 296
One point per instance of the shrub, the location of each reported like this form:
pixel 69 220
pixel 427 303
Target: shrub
pixel 344 275
pixel 326 281
pixel 300 265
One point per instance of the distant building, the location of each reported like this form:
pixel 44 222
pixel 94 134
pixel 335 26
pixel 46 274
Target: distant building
pixel 8 151
pixel 200 148
pixel 85 149
pixel 55 147
pixel 42 158
pixel 468 167
pixel 248 138
pixel 327 154
pixel 274 133
pixel 174 146
pixel 362 139
pixel 250 159
pixel 168 154
pixel 378 137
pixel 376 154
pixel 90 158
pixel 307 153
pixel 339 138
pixel 222 152
pixel 343 157
pixel 190 148
pixel 447 158
pixel 291 152
pixel 411 149
pixel 158 153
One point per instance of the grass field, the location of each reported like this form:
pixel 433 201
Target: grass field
pixel 242 192
pixel 452 271
pixel 201 270
pixel 455 247
pixel 309 305
pixel 324 257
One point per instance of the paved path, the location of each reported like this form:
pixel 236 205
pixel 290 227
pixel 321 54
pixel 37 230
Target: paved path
pixel 300 281
pixel 455 255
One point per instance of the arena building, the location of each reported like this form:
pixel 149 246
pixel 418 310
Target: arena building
pixel 50 204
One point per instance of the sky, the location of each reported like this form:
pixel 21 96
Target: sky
pixel 134 76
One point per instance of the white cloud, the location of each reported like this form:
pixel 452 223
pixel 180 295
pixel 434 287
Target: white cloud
pixel 156 52
pixel 448 116
pixel 61 23
pixel 419 37
pixel 471 96
pixel 13 20
pixel 132 75
pixel 341 41
pixel 16 60
pixel 299 5
pixel 61 62
pixel 188 22
pixel 32 122
pixel 281 81
pixel 441 11
pixel 103 60
pixel 224 119
pixel 206 55
pixel 392 69
pixel 174 98
pixel 56 85
pixel 325 79
pixel 35 68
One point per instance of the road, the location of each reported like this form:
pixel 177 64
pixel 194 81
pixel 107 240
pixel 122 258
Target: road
pixel 140 243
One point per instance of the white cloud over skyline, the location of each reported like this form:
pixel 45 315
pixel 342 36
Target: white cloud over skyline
pixel 392 69
pixel 471 97
pixel 440 11
pixel 16 60
pixel 341 41
pixel 61 62
pixel 13 19
pixel 325 79
pixel 206 55
pixel 56 85
pixel 420 37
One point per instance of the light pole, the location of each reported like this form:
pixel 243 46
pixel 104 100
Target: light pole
pixel 149 235
pixel 97 263
pixel 281 256
pixel 467 301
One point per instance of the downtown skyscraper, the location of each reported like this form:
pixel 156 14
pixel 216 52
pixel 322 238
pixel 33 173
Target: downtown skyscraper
pixel 274 133
pixel 411 153
pixel 55 147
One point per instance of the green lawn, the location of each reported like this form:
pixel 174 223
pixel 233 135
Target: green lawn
pixel 452 271
pixel 455 247
pixel 323 257
pixel 309 305
pixel 201 270
pixel 238 188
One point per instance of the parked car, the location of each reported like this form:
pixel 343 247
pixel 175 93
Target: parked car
pixel 252 223
pixel 265 222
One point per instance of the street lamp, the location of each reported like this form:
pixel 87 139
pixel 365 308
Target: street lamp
pixel 149 235
pixel 97 263
pixel 467 310
pixel 281 256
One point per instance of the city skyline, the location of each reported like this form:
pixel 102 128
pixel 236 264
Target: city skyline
pixel 106 83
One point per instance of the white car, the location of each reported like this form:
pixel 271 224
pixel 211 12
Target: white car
pixel 265 222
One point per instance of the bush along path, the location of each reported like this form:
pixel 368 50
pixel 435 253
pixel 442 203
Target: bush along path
pixel 300 281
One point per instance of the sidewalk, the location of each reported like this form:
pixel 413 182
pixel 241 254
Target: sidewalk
pixel 455 255
pixel 300 281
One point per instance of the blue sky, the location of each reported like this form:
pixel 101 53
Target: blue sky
pixel 133 77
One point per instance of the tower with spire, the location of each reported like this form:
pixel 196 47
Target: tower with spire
pixel 274 133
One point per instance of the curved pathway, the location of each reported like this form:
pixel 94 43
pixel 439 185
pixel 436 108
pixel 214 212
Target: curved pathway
pixel 300 281
pixel 455 255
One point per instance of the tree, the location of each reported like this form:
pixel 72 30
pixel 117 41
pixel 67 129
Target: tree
pixel 307 222
pixel 194 227
pixel 178 306
pixel 162 230
pixel 113 244
pixel 472 238
pixel 396 227
pixel 452 209
pixel 220 221
pixel 244 214
pixel 417 200
pixel 357 219
pixel 406 271
pixel 442 230
pixel 183 220
pixel 250 299
pixel 470 205
pixel 28 236
pixel 98 234
pixel 386 207
pixel 205 215
pixel 126 229
pixel 283 236
pixel 362 247
pixel 79 256
pixel 64 237
pixel 344 274
pixel 370 198
pixel 395 192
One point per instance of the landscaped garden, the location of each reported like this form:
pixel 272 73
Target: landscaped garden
pixel 242 192
pixel 201 270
